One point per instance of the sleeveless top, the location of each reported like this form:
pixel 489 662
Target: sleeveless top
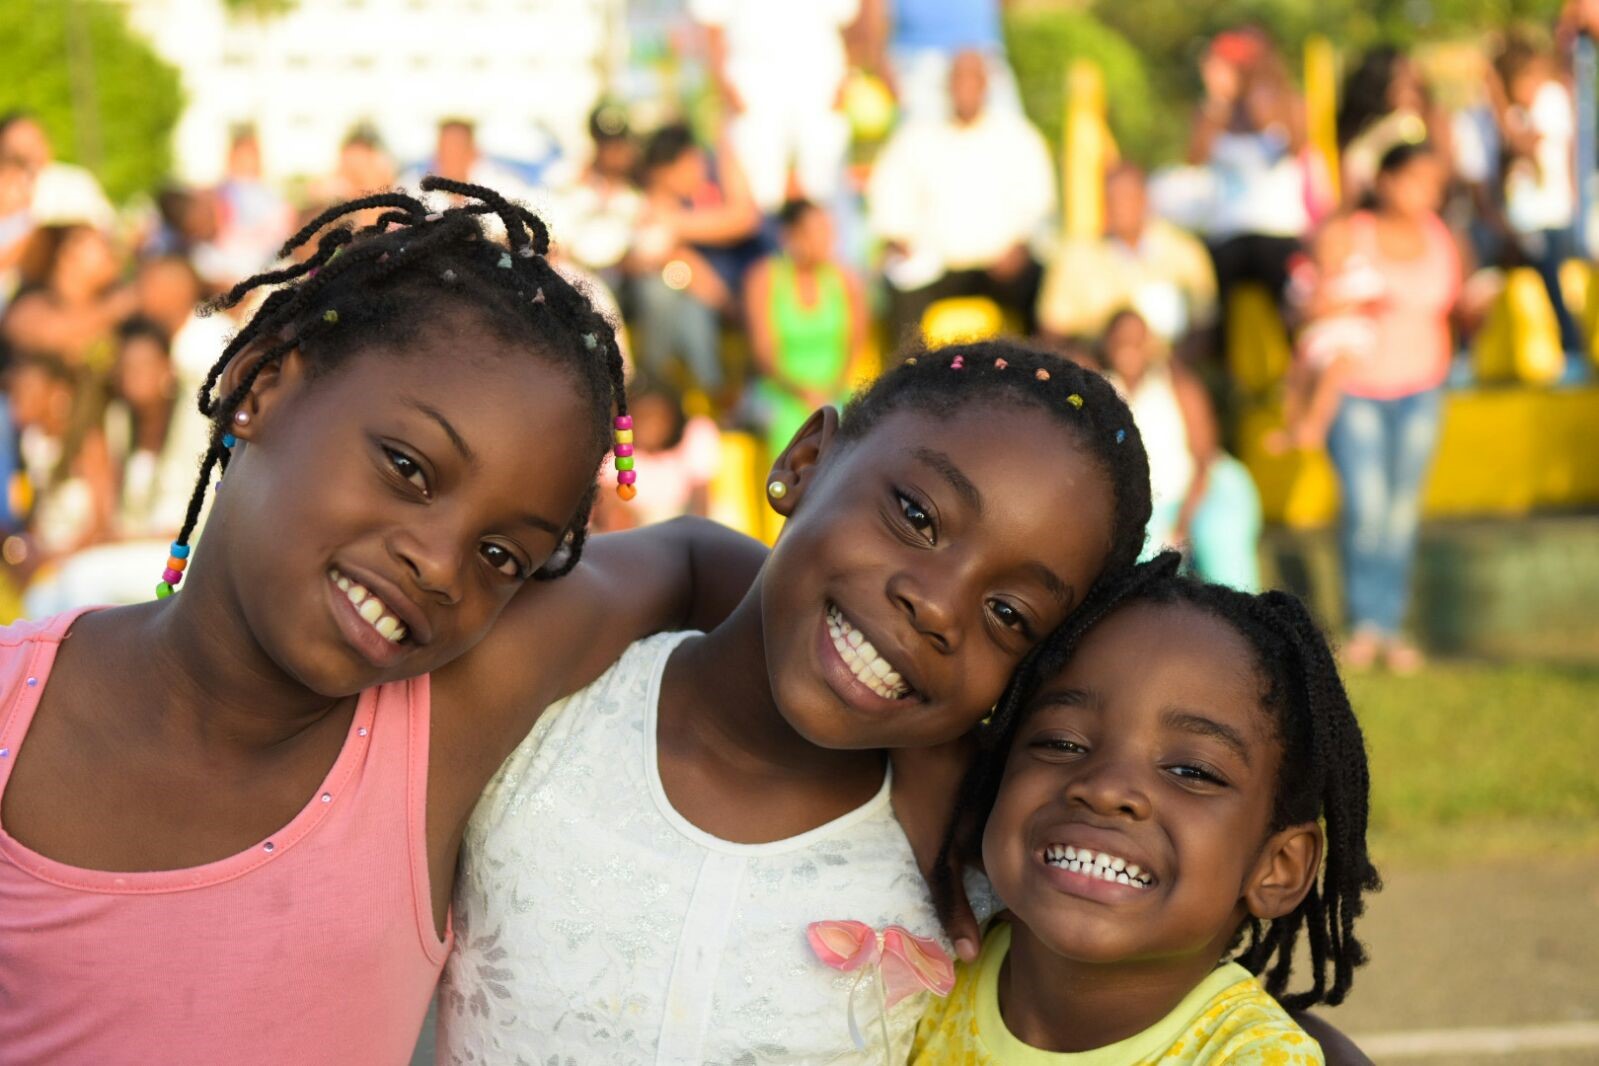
pixel 1412 343
pixel 1159 418
pixel 316 945
pixel 812 342
pixel 596 924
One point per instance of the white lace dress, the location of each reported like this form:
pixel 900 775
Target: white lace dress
pixel 594 924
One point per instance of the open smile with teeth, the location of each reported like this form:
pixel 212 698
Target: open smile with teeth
pixel 869 668
pixel 373 610
pixel 1098 864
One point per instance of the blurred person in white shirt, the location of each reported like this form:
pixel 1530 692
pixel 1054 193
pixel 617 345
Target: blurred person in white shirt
pixel 1539 128
pixel 780 68
pixel 596 210
pixel 961 203
pixel 62 192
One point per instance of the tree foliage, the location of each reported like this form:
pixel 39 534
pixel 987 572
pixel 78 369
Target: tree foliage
pixel 128 98
pixel 1149 50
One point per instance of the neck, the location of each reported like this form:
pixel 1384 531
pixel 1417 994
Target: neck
pixel 1059 1004
pixel 210 682
pixel 723 685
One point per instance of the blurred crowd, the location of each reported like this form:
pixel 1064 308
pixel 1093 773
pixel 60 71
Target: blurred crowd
pixel 764 260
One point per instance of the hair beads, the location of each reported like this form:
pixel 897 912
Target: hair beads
pixel 381 295
pixel 623 449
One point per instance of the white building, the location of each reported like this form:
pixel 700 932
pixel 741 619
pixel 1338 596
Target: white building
pixel 525 71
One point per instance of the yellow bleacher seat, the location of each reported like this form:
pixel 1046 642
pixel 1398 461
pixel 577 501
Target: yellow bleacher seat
pixel 1502 453
pixel 960 319
pixel 1520 341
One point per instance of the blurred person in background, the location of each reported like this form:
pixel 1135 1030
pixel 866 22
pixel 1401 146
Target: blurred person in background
pixel 696 237
pixel 364 167
pixel 169 293
pixel 16 222
pixel 779 68
pixel 1140 261
pixel 69 299
pixel 1385 101
pixel 1269 188
pixel 62 192
pixel 677 457
pixel 960 203
pixel 151 471
pixel 144 397
pixel 1387 392
pixel 911 45
pixel 1205 502
pixel 599 207
pixel 56 413
pixel 456 156
pixel 806 315
pixel 1538 131
pixel 188 221
pixel 253 220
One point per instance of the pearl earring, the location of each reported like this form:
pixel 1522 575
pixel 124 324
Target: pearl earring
pixel 777 490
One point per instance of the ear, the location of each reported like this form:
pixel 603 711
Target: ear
pixel 1285 871
pixel 796 467
pixel 274 381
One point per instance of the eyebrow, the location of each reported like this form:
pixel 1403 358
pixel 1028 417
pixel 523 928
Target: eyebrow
pixel 450 431
pixel 951 473
pixel 1065 697
pixel 1052 584
pixel 536 521
pixel 1189 722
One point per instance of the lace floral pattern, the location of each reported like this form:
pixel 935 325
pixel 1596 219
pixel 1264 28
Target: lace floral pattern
pixel 594 925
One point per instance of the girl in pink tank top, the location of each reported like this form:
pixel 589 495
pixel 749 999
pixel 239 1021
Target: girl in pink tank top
pixel 229 818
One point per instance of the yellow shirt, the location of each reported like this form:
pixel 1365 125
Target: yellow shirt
pixel 1227 1018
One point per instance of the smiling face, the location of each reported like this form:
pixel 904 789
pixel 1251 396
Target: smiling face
pixel 920 562
pixel 381 514
pixel 1133 820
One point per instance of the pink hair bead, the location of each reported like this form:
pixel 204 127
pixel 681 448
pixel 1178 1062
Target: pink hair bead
pixel 624 450
pixel 171 576
pixel 626 477
pixel 624 421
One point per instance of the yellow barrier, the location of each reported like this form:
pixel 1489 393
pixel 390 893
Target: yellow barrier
pixel 961 319
pixel 1321 104
pixel 1087 151
pixel 1502 453
pixel 1520 341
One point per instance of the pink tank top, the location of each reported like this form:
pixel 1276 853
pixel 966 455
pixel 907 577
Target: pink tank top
pixel 1413 343
pixel 317 945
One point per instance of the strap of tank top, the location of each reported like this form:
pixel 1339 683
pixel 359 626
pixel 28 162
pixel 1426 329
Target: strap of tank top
pixel 417 696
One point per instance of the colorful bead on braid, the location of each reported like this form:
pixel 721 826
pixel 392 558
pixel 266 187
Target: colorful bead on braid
pixel 173 574
pixel 625 474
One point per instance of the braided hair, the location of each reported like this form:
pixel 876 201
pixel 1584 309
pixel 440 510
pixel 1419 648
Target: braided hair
pixel 1000 371
pixel 1323 773
pixel 382 284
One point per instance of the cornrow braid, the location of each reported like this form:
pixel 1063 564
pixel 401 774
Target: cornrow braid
pixel 1323 774
pixel 945 381
pixel 382 285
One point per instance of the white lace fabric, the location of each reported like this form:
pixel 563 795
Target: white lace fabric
pixel 594 924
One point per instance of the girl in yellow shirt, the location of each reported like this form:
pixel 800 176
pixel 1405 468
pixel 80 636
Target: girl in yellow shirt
pixel 1173 789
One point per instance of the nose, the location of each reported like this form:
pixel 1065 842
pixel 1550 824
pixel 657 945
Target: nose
pixel 930 601
pixel 1108 787
pixel 434 563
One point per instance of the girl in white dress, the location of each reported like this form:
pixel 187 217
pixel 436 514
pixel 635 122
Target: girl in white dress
pixel 638 879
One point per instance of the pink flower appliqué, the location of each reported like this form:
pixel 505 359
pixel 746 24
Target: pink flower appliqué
pixel 901 962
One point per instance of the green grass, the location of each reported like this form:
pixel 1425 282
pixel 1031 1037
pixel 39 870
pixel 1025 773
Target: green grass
pixel 1469 760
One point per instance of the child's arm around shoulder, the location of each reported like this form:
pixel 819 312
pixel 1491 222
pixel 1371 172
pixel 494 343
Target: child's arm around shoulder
pixel 557 636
